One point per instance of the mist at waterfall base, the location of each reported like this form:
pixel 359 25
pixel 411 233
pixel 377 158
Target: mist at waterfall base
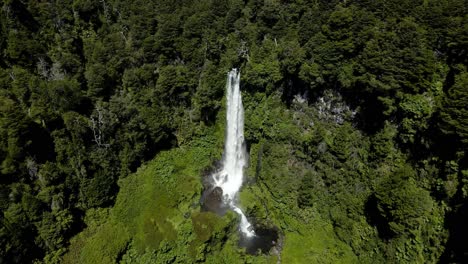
pixel 223 185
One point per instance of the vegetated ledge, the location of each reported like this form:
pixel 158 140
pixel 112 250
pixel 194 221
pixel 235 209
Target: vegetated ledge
pixel 267 239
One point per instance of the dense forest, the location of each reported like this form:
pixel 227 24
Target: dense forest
pixel 356 123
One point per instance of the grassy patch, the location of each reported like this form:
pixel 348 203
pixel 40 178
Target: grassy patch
pixel 155 208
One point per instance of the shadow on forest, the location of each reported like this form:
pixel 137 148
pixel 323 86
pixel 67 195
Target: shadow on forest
pixel 374 218
pixel 456 249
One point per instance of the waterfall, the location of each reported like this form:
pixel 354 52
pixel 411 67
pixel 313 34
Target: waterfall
pixel 230 177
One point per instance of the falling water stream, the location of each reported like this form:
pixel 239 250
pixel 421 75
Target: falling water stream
pixel 229 178
pixel 223 185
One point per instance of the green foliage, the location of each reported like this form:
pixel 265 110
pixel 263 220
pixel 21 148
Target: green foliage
pixel 402 203
pixel 13 131
pixel 149 212
pixel 417 110
pixel 384 142
pixel 52 228
pixel 174 84
pixel 454 115
pixel 355 119
pixel 317 245
pixel 263 68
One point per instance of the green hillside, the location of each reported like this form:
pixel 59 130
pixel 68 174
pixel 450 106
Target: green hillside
pixel 112 114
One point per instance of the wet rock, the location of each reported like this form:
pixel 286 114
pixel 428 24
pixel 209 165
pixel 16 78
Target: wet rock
pixel 212 200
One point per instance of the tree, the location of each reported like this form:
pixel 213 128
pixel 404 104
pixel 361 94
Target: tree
pixel 404 205
pixel 454 114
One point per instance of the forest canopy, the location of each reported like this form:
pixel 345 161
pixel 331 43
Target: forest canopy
pixel 356 123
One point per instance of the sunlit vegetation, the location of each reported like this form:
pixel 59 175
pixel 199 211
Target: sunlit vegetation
pixel 112 112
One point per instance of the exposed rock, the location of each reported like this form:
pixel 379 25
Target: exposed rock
pixel 212 200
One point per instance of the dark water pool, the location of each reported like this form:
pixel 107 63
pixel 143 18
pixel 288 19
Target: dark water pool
pixel 266 237
pixel 264 240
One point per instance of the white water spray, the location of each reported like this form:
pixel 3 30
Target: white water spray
pixel 230 177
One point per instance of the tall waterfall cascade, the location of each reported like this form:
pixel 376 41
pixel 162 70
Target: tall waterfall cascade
pixel 231 175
